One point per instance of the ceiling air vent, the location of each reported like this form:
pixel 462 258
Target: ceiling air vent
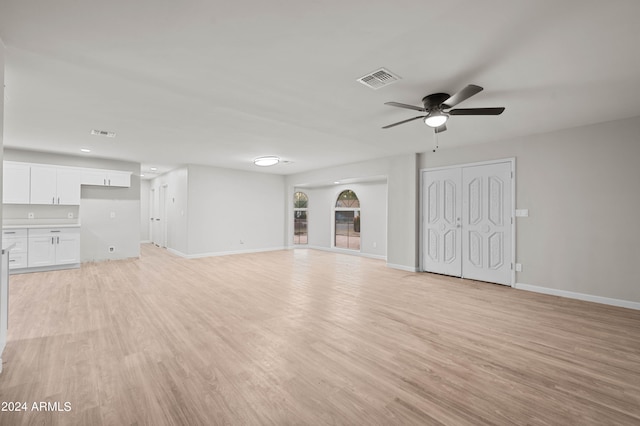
pixel 378 79
pixel 103 133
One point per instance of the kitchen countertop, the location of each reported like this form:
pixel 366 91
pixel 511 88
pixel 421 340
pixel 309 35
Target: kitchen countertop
pixel 40 226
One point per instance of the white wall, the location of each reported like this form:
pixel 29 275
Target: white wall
pixel 99 231
pixel 234 211
pixel 400 202
pixel 373 210
pixel 215 211
pixel 581 187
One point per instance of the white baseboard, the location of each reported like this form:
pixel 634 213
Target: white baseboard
pixel 222 253
pixel 402 267
pixel 345 251
pixel 145 242
pixel 580 296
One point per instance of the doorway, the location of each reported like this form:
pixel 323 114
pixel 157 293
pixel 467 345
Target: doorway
pixel 467 221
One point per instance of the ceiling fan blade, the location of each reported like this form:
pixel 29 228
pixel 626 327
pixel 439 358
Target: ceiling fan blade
pixel 462 95
pixel 441 128
pixel 399 105
pixel 404 121
pixel 476 111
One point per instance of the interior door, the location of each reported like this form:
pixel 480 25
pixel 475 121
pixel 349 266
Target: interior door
pixel 486 239
pixel 441 211
pixel 155 235
pixel 162 215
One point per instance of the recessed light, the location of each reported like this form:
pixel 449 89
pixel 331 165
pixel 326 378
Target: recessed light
pixel 336 182
pixel 153 169
pixel 85 150
pixel 142 175
pixel 269 160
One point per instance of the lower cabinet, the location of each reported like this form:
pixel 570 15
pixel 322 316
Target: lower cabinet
pixel 53 246
pixel 17 240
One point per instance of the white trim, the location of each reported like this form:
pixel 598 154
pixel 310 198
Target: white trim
pixel 223 253
pixel 580 296
pixel 176 252
pixel 478 163
pixel 347 251
pixel 145 242
pixel 403 267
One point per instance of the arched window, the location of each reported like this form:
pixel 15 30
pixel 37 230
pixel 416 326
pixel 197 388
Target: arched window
pixel 347 221
pixel 300 215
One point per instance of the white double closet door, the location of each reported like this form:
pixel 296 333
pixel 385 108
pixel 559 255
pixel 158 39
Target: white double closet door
pixel 467 222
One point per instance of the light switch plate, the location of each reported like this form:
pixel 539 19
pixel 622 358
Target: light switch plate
pixel 522 212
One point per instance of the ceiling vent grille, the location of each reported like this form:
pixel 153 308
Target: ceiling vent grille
pixel 103 133
pixel 378 79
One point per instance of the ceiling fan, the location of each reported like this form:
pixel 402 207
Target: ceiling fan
pixel 436 104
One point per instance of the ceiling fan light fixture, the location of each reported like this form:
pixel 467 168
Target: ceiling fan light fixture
pixel 436 119
pixel 269 160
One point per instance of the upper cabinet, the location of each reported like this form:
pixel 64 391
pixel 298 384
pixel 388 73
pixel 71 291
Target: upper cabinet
pixel 100 177
pixel 55 185
pixel 16 183
pixel 26 183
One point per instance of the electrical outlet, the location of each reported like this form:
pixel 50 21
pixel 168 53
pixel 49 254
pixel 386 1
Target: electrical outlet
pixel 518 267
pixel 112 215
pixel 30 215
pixel 112 249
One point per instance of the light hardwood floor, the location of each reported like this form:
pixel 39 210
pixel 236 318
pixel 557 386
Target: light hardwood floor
pixel 309 337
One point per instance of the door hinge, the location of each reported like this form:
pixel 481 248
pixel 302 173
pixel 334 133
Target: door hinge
pixel 512 266
pixel 511 175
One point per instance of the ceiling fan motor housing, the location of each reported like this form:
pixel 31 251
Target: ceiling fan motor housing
pixel 434 101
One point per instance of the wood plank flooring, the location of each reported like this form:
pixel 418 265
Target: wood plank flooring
pixel 309 338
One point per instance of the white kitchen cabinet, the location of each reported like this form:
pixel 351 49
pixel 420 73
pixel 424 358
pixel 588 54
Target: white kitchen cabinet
pixel 53 246
pixel 16 183
pixel 17 239
pixel 42 251
pixel 98 177
pixel 55 185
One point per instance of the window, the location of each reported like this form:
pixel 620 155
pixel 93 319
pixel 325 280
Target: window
pixel 300 215
pixel 347 221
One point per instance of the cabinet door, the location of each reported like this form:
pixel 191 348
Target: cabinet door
pixel 67 248
pixel 68 187
pixel 42 251
pixel 93 177
pixel 119 179
pixel 43 185
pixel 15 183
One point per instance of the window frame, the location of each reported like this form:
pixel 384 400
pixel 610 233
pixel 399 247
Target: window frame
pixel 300 209
pixel 357 212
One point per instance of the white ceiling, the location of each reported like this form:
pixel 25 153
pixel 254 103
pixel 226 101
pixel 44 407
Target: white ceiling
pixel 218 82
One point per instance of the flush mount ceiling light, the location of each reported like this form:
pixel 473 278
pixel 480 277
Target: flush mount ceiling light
pixel 436 119
pixel 269 160
pixel 85 150
pixel 106 133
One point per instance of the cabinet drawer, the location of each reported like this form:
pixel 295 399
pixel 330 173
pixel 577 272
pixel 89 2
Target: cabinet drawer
pixel 10 233
pixel 40 232
pixel 17 260
pixel 20 244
